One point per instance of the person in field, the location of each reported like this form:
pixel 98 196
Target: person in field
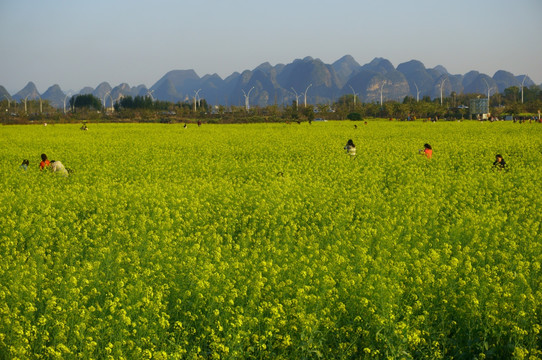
pixel 499 162
pixel 427 151
pixel 350 148
pixel 57 166
pixel 25 165
pixel 44 162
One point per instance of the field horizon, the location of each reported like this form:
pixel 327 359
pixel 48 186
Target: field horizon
pixel 270 241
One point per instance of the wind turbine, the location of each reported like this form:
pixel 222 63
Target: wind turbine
pixel 441 86
pixel 307 89
pixel 417 93
pixel 353 92
pixel 196 92
pixel 296 98
pixel 525 77
pixel 247 98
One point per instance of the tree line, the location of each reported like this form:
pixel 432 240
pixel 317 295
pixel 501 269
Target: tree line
pixel 512 101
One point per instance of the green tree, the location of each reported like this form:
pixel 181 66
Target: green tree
pixel 87 101
pixel 511 94
pixel 291 111
pixel 308 112
pixel 409 100
pixel 354 116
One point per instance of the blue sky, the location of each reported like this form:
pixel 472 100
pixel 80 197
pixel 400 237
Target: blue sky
pixel 76 43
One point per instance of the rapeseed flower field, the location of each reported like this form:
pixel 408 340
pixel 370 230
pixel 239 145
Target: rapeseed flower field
pixel 269 241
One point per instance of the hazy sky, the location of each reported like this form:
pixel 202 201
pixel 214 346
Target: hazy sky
pixel 76 43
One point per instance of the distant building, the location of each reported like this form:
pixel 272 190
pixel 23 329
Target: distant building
pixel 479 108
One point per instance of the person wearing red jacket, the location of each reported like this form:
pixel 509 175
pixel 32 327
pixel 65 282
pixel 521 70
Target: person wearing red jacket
pixel 44 162
pixel 427 151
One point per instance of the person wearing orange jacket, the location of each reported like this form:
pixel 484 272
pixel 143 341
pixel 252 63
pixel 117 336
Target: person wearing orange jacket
pixel 427 151
pixel 44 162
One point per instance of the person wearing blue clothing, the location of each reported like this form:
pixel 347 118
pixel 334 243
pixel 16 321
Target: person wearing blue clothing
pixel 24 165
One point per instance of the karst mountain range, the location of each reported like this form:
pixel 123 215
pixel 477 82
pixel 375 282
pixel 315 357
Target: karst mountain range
pixel 281 84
